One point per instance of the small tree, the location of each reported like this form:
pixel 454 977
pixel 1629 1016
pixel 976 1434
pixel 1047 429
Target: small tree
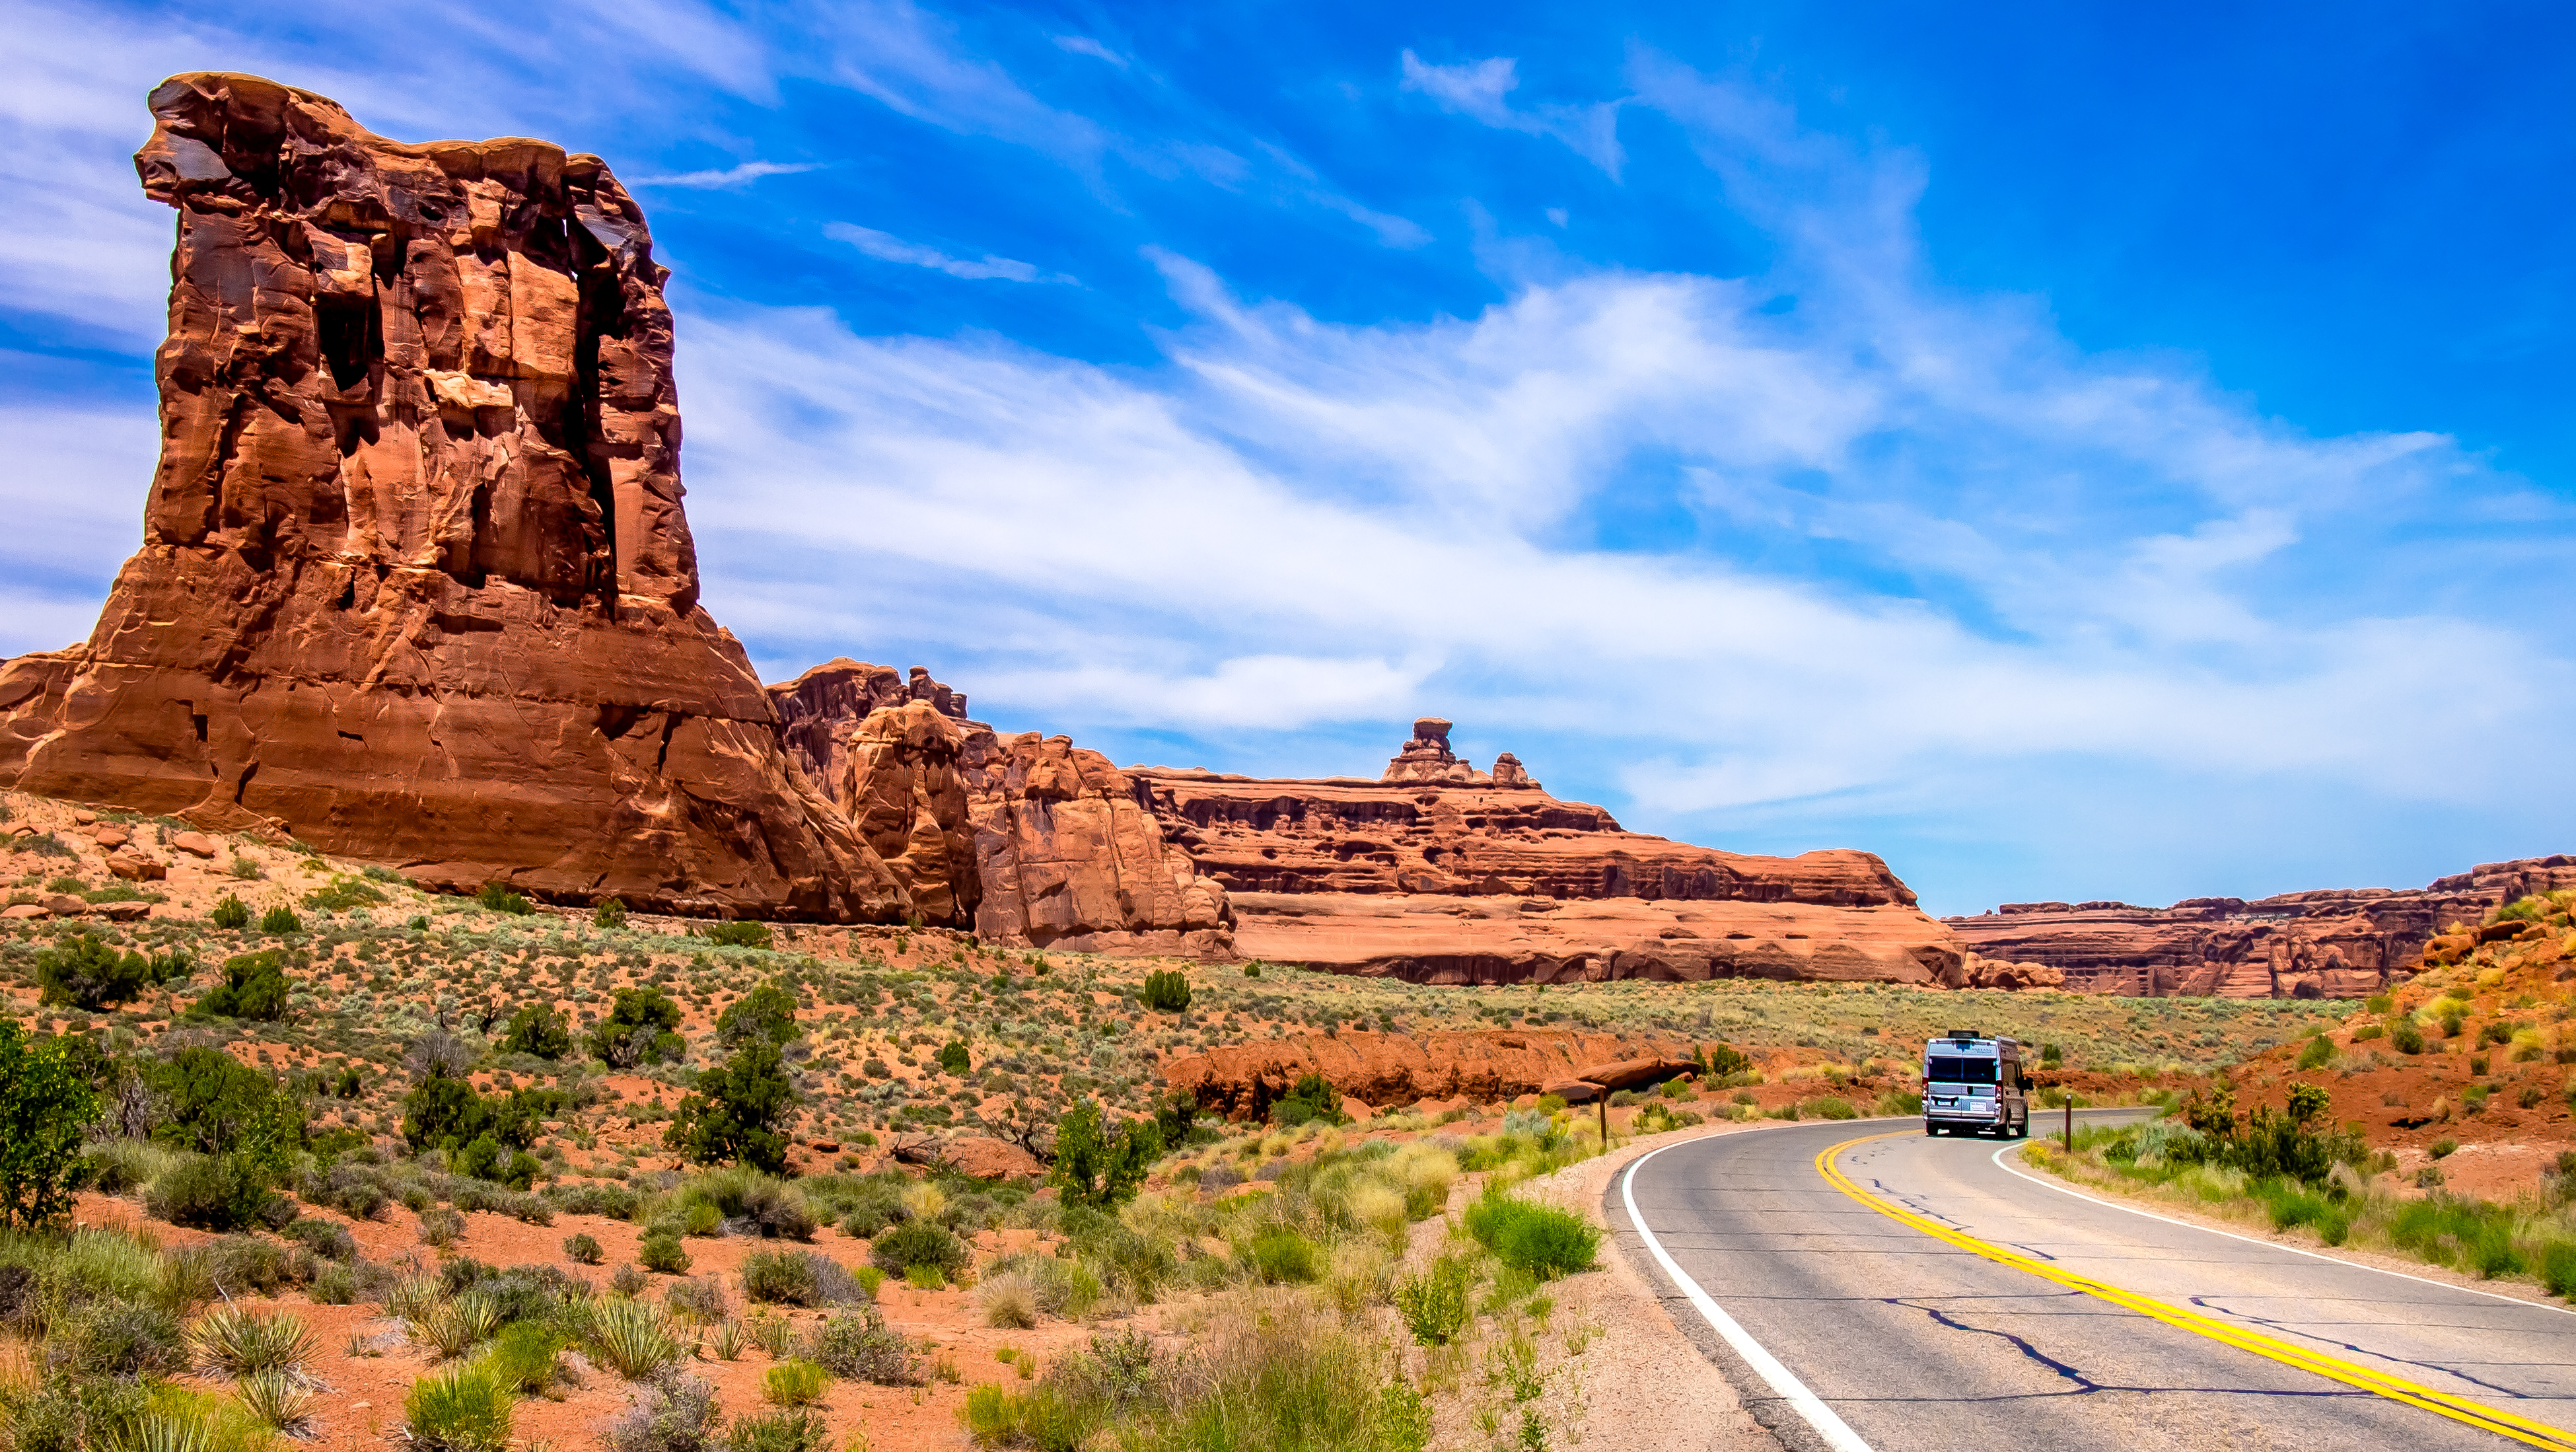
pixel 1099 1164
pixel 497 897
pixel 230 913
pixel 538 1031
pixel 953 1056
pixel 218 1104
pixel 254 987
pixel 642 1027
pixel 736 1111
pixel 87 973
pixel 280 920
pixel 610 914
pixel 1166 991
pixel 45 1104
pixel 765 1013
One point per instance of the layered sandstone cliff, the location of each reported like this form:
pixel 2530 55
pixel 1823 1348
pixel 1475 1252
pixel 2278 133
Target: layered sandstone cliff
pixel 416 585
pixel 1440 873
pixel 1028 840
pixel 2330 944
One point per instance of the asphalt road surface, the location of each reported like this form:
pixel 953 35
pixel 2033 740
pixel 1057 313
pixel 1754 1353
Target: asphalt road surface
pixel 1911 1342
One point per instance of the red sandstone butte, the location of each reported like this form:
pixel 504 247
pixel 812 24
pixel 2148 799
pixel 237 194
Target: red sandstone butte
pixel 1028 840
pixel 2327 944
pixel 1241 1080
pixel 415 584
pixel 1438 873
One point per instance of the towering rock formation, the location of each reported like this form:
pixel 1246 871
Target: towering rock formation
pixel 1025 839
pixel 1437 872
pixel 415 583
pixel 2328 944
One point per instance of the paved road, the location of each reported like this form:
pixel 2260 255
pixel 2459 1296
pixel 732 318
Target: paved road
pixel 1920 1344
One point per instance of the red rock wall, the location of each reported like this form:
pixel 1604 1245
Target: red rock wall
pixel 2330 944
pixel 1243 1080
pixel 416 585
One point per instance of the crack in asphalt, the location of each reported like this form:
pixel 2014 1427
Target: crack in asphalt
pixel 2293 1329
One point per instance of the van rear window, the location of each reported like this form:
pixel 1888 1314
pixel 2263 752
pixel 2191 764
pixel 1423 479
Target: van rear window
pixel 1952 1069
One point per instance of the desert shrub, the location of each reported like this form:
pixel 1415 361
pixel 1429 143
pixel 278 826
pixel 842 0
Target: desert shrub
pixel 230 914
pixel 116 1339
pixel 795 1383
pixel 631 1338
pixel 2319 1053
pixel 584 1248
pixel 662 1253
pixel 642 1027
pixel 615 1202
pixel 798 1278
pixel 497 897
pixel 527 1356
pixel 327 1238
pixel 919 1243
pixel 610 913
pixel 214 1192
pixel 1539 1239
pixel 767 1012
pixel 748 1201
pixel 215 1103
pixel 739 934
pixel 675 1413
pixel 87 972
pixel 1828 1108
pixel 954 1058
pixel 344 893
pixel 1434 1303
pixel 254 987
pixel 1097 1164
pixel 859 1347
pixel 793 1430
pixel 1312 1097
pixel 485 1138
pixel 46 1102
pixel 280 920
pixel 440 1227
pixel 1281 1256
pixel 701 1302
pixel 465 1410
pixel 537 1030
pixel 1166 991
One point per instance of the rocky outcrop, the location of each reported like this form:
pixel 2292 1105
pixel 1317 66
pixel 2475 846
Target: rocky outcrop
pixel 1028 840
pixel 416 585
pixel 1438 873
pixel 2328 944
pixel 1242 1081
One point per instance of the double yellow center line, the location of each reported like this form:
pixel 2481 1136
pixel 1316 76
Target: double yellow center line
pixel 2396 1389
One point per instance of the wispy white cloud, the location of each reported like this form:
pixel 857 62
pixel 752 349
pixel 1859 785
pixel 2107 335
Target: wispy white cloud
pixel 730 179
pixel 1481 90
pixel 1085 45
pixel 886 247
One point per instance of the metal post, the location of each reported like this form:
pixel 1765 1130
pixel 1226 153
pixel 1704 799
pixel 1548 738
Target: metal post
pixel 2070 1122
pixel 1604 1102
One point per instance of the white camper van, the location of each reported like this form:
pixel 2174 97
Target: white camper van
pixel 1973 1084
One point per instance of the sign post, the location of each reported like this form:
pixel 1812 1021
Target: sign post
pixel 2070 1121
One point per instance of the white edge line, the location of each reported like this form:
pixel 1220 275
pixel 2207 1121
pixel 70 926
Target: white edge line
pixel 1783 1383
pixel 2048 1184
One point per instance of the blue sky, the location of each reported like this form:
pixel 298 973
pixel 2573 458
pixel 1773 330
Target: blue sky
pixel 2075 454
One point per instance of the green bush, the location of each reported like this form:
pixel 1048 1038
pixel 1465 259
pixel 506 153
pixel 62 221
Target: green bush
pixel 537 1031
pixel 795 1383
pixel 953 1057
pixel 735 1112
pixel 484 1138
pixel 861 1348
pixel 919 1243
pixel 1828 1108
pixel 527 1356
pixel 662 1253
pixel 497 897
pixel 1538 1239
pixel 1167 991
pixel 1434 1303
pixel 765 1014
pixel 795 1430
pixel 465 1410
pixel 214 1192
pixel 254 987
pixel 2558 1268
pixel 1312 1097
pixel 46 1104
pixel 1282 1257
pixel 610 913
pixel 2405 1037
pixel 88 973
pixel 280 920
pixel 584 1248
pixel 230 914
pixel 1097 1164
pixel 2319 1053
pixel 641 1028
pixel 739 934
pixel 342 894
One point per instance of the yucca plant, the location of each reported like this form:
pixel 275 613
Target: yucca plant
pixel 412 1295
pixel 726 1341
pixel 465 1410
pixel 632 1338
pixel 277 1400
pixel 456 1327
pixel 240 1343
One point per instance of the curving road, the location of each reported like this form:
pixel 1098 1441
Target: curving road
pixel 1906 1341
